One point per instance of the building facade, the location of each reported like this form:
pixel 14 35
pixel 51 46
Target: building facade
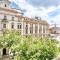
pixel 54 31
pixel 12 19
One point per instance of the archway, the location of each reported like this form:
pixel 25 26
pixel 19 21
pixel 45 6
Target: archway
pixel 4 51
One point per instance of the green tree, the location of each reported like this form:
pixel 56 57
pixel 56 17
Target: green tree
pixel 30 48
pixel 36 49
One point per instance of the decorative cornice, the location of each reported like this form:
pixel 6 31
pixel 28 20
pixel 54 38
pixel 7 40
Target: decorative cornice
pixel 25 19
pixel 9 9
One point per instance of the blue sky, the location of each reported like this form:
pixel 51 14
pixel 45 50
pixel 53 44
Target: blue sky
pixel 46 9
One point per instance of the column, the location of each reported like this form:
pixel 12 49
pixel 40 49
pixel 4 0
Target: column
pixel 22 29
pixel 42 31
pixel 38 29
pixel 1 29
pixel 9 25
pixel 46 30
pixel 15 25
pixel 33 28
pixel 28 28
pixel 24 26
pixel 7 51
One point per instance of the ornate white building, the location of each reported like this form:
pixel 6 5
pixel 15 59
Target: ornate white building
pixel 12 19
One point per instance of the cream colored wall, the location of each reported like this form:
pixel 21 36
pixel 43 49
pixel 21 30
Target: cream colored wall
pixel 23 30
pixel 2 3
pixel 11 14
pixel 40 26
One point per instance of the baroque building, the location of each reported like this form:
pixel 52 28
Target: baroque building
pixel 12 19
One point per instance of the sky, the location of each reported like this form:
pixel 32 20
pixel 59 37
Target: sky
pixel 45 9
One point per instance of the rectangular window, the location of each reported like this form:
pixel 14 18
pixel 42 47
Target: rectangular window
pixel 4 25
pixel 12 18
pixel 19 27
pixel 26 29
pixel 5 5
pixel 12 25
pixel 5 17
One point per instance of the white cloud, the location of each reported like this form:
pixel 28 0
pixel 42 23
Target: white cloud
pixel 55 19
pixel 35 11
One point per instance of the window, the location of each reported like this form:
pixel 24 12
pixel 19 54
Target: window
pixel 26 29
pixel 18 19
pixel 12 25
pixel 19 26
pixel 5 17
pixel 54 32
pixel 12 18
pixel 5 5
pixel 26 26
pixel 4 25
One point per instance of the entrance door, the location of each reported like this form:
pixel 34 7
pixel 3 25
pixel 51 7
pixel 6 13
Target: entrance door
pixel 4 51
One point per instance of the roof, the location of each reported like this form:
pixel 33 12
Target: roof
pixel 8 9
pixel 35 20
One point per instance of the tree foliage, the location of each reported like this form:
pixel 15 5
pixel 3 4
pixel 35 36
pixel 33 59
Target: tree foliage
pixel 30 48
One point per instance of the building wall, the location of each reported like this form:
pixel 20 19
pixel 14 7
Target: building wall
pixel 27 26
pixel 35 28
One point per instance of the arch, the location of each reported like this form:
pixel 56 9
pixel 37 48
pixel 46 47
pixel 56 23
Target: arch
pixel 4 51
